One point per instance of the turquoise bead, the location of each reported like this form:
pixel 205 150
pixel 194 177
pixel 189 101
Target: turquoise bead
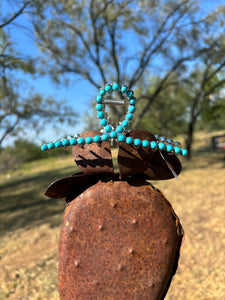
pixel 131 109
pixel 184 152
pixel 137 142
pixel 101 92
pixel 121 138
pixel 115 86
pixel 73 142
pixel 65 143
pixel 89 140
pixel 108 128
pixel 100 115
pixel 81 141
pixel 99 99
pixel 129 116
pixel 119 129
pixel 123 89
pixel 132 100
pixel 129 140
pixel 105 137
pixel 161 146
pixel 108 87
pixel 125 123
pixel 97 139
pixel 176 150
pixel 99 107
pixel 44 147
pixel 145 143
pixel 113 134
pixel 153 145
pixel 130 93
pixel 51 146
pixel 58 144
pixel 103 122
pixel 169 148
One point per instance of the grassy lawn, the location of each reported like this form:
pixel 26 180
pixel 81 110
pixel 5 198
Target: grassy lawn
pixel 30 225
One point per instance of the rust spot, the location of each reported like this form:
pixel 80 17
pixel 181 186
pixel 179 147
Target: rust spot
pixel 130 251
pixel 76 263
pixel 134 222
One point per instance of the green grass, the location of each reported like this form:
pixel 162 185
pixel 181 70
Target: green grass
pixel 30 226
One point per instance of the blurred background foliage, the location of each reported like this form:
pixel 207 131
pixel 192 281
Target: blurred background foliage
pixel 171 52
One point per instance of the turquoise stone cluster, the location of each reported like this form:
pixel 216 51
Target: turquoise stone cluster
pixel 155 145
pixel 117 132
pixel 107 125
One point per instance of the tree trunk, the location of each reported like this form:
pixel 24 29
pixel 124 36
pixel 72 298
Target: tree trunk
pixel 189 138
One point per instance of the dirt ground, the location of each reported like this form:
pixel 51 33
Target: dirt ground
pixel 30 226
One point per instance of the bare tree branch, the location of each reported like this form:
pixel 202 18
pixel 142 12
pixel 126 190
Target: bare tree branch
pixel 18 13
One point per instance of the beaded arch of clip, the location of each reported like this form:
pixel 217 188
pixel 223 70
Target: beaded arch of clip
pixel 112 131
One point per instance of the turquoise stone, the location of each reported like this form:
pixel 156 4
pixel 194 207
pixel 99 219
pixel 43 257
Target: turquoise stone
pixel 119 129
pixel 129 116
pixel 131 109
pixel 101 92
pixel 58 144
pixel 115 86
pixel 129 140
pixel 169 148
pixel 65 143
pixel 73 142
pixel 100 115
pixel 130 93
pixel 44 147
pixel 97 139
pixel 89 140
pixel 103 122
pixel 161 146
pixel 108 128
pixel 132 100
pixel 125 123
pixel 145 143
pixel 123 89
pixel 108 87
pixel 176 149
pixel 51 146
pixel 184 152
pixel 113 134
pixel 99 107
pixel 105 137
pixel 137 142
pixel 153 145
pixel 81 141
pixel 99 99
pixel 121 138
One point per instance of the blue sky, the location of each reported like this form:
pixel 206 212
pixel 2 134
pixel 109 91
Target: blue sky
pixel 77 95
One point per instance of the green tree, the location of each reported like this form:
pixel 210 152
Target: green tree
pixel 168 115
pixel 127 41
pixel 123 41
pixel 18 110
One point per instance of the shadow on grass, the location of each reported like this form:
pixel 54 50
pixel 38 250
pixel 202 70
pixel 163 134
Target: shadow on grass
pixel 23 203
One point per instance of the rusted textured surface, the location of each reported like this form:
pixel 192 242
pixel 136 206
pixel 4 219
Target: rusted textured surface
pixel 136 160
pixel 93 158
pixel 119 240
pixel 72 186
pixel 158 169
